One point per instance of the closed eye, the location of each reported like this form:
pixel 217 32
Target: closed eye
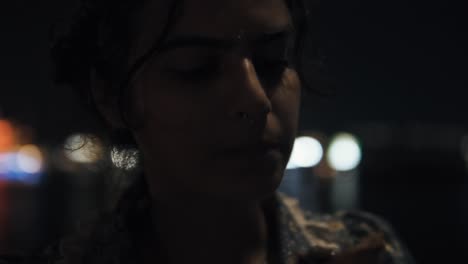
pixel 203 72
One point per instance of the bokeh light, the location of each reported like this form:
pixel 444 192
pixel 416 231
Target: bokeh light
pixel 81 148
pixel 5 163
pixel 307 152
pixel 7 136
pixel 21 168
pixel 29 159
pixel 344 152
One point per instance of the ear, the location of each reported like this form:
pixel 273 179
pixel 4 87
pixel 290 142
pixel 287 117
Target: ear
pixel 105 98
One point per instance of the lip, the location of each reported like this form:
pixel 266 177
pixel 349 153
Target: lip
pixel 251 150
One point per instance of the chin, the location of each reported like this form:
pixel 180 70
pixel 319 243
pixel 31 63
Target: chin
pixel 255 184
pixel 268 185
pixel 243 178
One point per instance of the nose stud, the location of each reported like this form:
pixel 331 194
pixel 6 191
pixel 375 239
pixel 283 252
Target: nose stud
pixel 244 116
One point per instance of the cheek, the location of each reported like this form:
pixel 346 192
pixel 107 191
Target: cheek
pixel 174 120
pixel 167 105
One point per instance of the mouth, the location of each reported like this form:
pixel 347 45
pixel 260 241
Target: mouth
pixel 252 151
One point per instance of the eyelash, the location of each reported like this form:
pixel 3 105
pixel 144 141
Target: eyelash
pixel 210 71
pixel 200 73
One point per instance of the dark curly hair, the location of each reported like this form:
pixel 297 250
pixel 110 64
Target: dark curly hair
pixel 99 39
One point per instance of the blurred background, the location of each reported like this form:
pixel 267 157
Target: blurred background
pixel 392 139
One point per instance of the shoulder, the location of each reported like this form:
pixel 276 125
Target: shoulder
pixel 345 230
pixel 99 240
pixel 22 259
pixel 104 240
pixel 11 259
pixel 67 251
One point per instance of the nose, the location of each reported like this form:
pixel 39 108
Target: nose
pixel 251 99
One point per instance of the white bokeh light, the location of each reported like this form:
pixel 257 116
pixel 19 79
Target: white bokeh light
pixel 29 159
pixel 307 152
pixel 4 158
pixel 83 148
pixel 344 152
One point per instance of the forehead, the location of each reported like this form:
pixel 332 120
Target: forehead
pixel 226 18
pixel 208 18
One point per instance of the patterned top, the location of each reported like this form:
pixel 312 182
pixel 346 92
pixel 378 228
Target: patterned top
pixel 300 237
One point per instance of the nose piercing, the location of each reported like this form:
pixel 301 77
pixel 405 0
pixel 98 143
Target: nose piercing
pixel 246 117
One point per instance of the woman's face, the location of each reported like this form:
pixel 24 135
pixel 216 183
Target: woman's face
pixel 219 106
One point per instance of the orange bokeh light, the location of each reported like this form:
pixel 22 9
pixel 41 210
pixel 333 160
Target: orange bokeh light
pixel 7 136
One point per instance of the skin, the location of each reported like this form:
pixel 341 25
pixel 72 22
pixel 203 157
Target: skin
pixel 208 197
pixel 206 191
pixel 195 122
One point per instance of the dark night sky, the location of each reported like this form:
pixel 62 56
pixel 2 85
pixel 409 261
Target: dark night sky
pixel 26 91
pixel 397 60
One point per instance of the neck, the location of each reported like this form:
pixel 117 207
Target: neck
pixel 206 230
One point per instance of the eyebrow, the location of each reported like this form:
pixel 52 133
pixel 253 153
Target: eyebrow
pixel 213 42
